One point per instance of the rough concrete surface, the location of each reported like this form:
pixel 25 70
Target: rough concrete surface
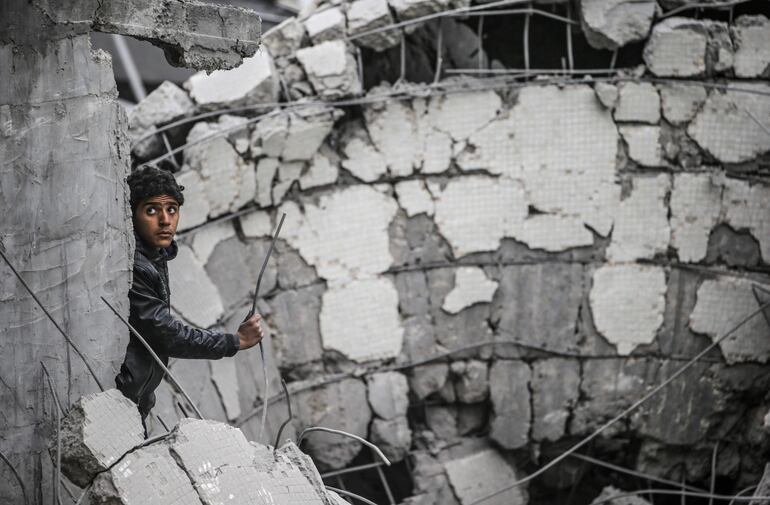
pixel 254 81
pixel 751 35
pixel 509 390
pixel 695 209
pixel 610 25
pixel 477 475
pixel 471 286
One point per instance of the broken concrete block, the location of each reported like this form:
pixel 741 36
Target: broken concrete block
pixel 228 179
pixel 732 112
pixel 196 208
pixel 419 338
pixel 643 144
pixel 414 197
pixel 266 170
pixel 520 314
pixel 734 248
pixel 362 307
pixel 611 25
pixel 323 169
pixel 192 34
pixel 327 24
pixel 225 379
pixel 351 413
pixel 509 391
pixel 206 239
pixel 147 476
pixel 254 81
pixel 164 104
pixel 366 15
pixel 288 173
pixel 233 267
pixel 471 419
pixel 608 494
pixel 412 9
pixel 534 145
pixel 256 224
pixel 331 69
pixel 293 271
pixel 641 224
pixel 695 208
pixel 363 159
pixel 442 422
pixel 393 130
pixel 471 383
pixel 471 286
pixel 284 39
pixel 627 303
pixel 747 206
pixel 393 437
pixel 607 94
pixel 354 243
pixel 238 131
pixel 388 394
pixel 721 305
pixel 97 431
pixel 564 232
pixel 638 102
pixel 555 389
pixel 478 475
pixel 474 213
pixel 460 115
pixel 194 295
pixel 680 102
pixel 686 47
pixel 294 135
pixel 436 153
pixel 751 36
pixel 298 335
pixel 428 379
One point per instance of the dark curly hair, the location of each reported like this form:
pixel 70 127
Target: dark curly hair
pixel 146 182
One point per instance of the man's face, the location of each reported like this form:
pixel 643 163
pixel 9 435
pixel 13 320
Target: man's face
pixel 155 220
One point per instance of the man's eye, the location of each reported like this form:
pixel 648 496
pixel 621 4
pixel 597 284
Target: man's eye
pixel 151 211
pixel 172 210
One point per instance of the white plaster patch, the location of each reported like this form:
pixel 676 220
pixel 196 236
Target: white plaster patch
pixel 680 102
pixel 256 224
pixel 695 208
pixel 194 295
pixel 225 378
pixel 206 239
pixel 253 81
pixel 638 102
pixel 751 35
pixel 196 208
pixel 721 305
pixel 288 174
pixel 393 130
pixel 461 114
pixel 725 128
pixel 364 160
pixel 328 24
pixel 641 224
pixel 627 302
pixel 643 144
pixel 748 207
pixel 345 236
pixel 321 171
pixel 552 232
pixel 414 197
pixel 360 319
pixel 331 69
pixel 561 144
pixel 471 286
pixel 677 48
pixel 474 213
pixel 437 152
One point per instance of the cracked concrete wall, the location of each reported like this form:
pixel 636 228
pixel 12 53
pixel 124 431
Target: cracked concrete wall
pixel 577 241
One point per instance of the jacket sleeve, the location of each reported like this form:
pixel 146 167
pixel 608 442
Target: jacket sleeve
pixel 167 335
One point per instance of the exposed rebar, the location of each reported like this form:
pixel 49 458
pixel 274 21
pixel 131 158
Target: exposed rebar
pixel 288 406
pixel 344 434
pixel 50 317
pixel 157 359
pixel 352 495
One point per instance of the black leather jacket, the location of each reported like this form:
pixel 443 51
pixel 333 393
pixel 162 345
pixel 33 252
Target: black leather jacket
pixel 150 314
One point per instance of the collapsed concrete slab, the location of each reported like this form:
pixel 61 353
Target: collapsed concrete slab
pixel 695 210
pixel 751 36
pixel 369 15
pixel 509 391
pixel 331 69
pixel 254 81
pixel 610 25
pixel 97 431
pixel 721 305
pixel 627 302
pixel 685 47
pixel 164 104
pixel 192 34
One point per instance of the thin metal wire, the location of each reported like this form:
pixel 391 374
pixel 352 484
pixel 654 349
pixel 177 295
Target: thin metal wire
pixel 58 409
pixel 288 406
pixel 629 471
pixel 480 46
pixel 50 317
pixel 678 492
pixel 713 482
pixel 756 120
pixel 696 5
pixel 352 495
pixel 625 412
pixel 344 434
pixel 526 42
pixel 614 59
pixel 352 469
pixel 18 477
pixel 439 51
pixel 570 56
pixel 742 492
pixel 402 76
pixel 524 71
pixel 528 11
pixel 157 359
pixel 385 485
pixel 83 495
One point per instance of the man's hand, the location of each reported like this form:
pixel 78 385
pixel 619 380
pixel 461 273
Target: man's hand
pixel 250 332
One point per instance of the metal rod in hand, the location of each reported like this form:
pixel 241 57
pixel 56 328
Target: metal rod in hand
pixel 157 359
pixel 291 416
pixel 50 317
pixel 266 380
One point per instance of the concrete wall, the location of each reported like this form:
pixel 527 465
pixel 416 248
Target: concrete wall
pixel 598 233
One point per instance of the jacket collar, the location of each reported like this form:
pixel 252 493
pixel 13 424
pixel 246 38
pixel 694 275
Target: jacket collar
pixel 153 254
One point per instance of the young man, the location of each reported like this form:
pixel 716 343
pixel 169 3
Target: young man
pixel 155 202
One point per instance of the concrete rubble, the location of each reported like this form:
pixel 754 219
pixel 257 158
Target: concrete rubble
pixel 331 69
pixel 751 36
pixel 685 47
pixel 164 104
pixel 366 16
